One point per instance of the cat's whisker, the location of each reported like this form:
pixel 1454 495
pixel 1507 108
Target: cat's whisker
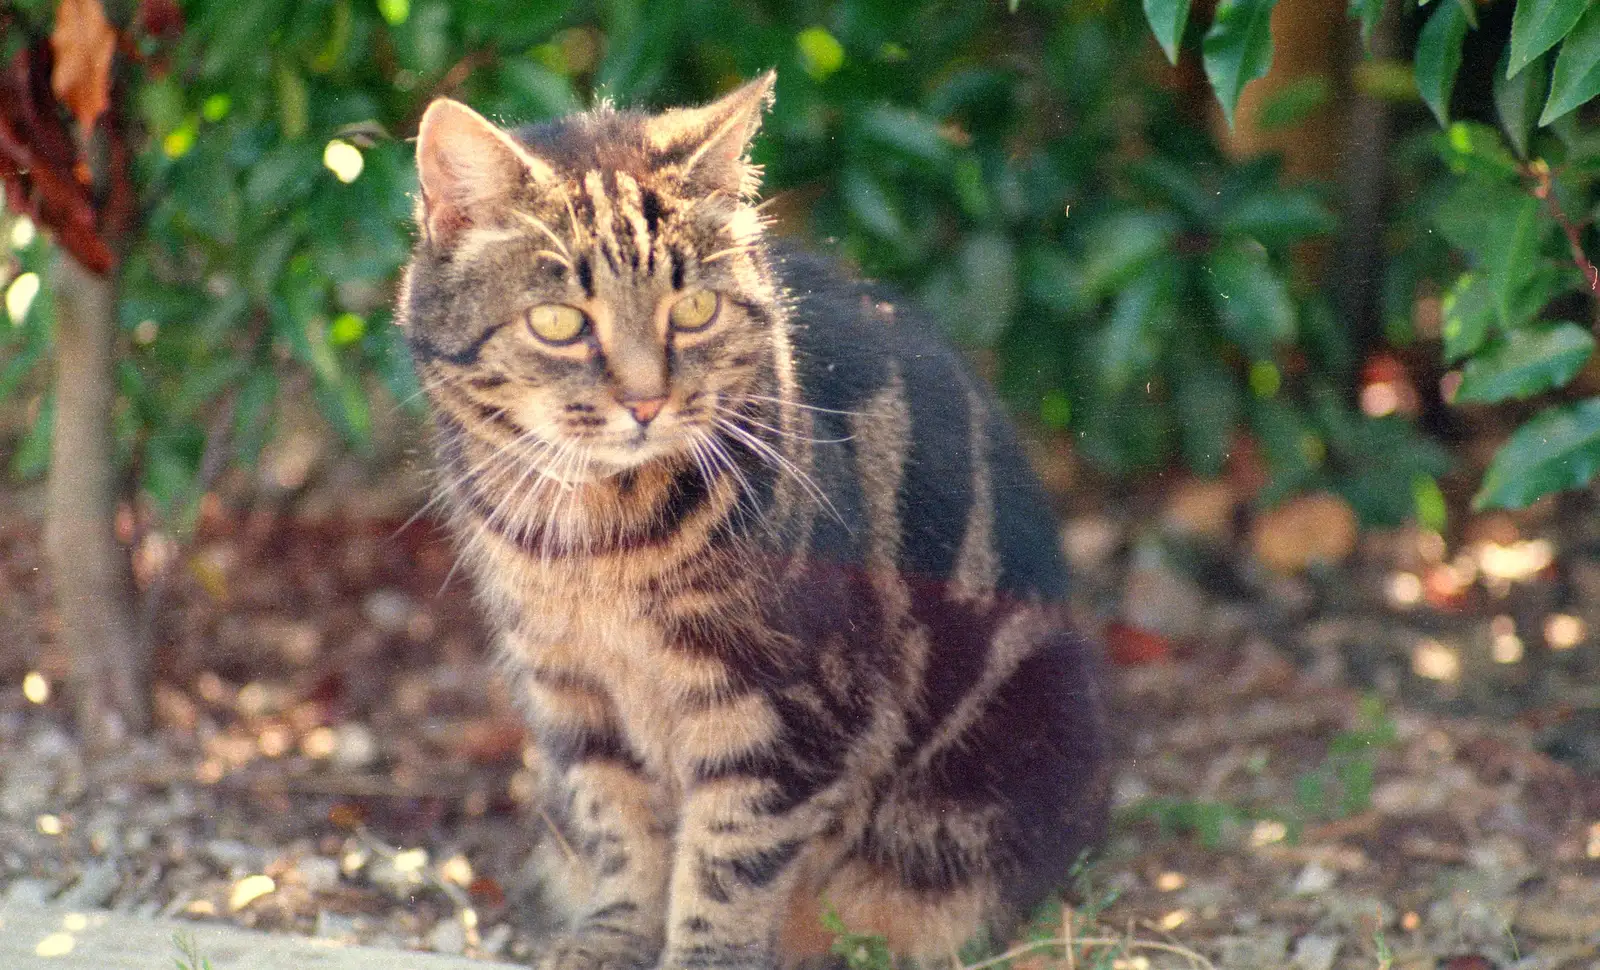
pixel 565 508
pixel 521 454
pixel 725 253
pixel 791 435
pixel 572 220
pixel 718 454
pixel 521 500
pixel 398 405
pixel 553 476
pixel 701 462
pixel 777 459
pixel 487 472
pixel 437 499
pixel 796 404
pixel 539 224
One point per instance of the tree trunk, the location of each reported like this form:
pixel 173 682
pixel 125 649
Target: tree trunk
pixel 89 568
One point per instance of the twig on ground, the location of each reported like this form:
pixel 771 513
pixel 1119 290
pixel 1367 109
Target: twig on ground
pixel 1071 943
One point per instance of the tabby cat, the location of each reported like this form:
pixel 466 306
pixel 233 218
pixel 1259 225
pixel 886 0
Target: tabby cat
pixel 766 563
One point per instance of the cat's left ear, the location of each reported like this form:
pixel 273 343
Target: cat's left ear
pixel 468 170
pixel 708 147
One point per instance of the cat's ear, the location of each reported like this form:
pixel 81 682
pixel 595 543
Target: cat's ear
pixel 709 146
pixel 468 169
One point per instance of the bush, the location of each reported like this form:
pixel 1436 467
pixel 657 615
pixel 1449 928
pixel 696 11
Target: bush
pixel 1023 171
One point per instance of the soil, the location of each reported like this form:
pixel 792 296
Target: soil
pixel 1338 749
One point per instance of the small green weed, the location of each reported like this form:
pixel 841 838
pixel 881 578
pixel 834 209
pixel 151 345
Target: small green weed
pixel 1339 787
pixel 189 956
pixel 1385 955
pixel 860 951
pixel 1342 785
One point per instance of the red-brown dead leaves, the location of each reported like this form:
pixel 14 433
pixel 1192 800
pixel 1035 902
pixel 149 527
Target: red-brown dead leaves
pixel 83 42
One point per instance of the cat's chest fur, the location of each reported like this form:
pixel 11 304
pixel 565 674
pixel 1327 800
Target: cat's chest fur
pixel 585 622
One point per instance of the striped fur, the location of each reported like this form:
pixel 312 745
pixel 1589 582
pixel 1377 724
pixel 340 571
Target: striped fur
pixel 795 642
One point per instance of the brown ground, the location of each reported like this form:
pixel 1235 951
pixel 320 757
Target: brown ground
pixel 1316 772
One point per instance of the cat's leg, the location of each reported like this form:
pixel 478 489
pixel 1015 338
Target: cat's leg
pixel 987 820
pixel 611 832
pixel 761 797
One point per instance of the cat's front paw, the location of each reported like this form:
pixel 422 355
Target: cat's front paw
pixel 597 951
pixel 712 956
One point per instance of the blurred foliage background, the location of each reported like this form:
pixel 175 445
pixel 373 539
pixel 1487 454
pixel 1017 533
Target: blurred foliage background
pixel 1139 280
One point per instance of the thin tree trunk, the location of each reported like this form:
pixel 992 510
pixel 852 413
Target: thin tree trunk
pixel 89 568
pixel 1365 181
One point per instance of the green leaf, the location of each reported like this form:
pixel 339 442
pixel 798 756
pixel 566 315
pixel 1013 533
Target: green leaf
pixel 1432 510
pixel 169 471
pixel 1376 460
pixel 1577 74
pixel 1527 361
pixel 1461 215
pixel 232 36
pixel 904 133
pixel 1556 450
pixel 1250 299
pixel 1517 101
pixel 1120 247
pixel 1206 397
pixel 1295 102
pixel 1167 20
pixel 1439 58
pixel 1054 281
pixel 161 105
pixel 1369 12
pixel 252 414
pixel 988 264
pixel 1327 340
pixel 1238 48
pixel 32 456
pixel 821 54
pixel 536 91
pixel 867 199
pixel 1512 253
pixel 294 102
pixel 1278 217
pixel 1547 281
pixel 1471 148
pixel 1468 311
pixel 1293 449
pixel 1169 184
pixel 1537 26
pixel 1142 314
pixel 344 404
pixel 1385 79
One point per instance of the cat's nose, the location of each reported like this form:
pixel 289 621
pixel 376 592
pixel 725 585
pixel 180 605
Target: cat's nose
pixel 644 410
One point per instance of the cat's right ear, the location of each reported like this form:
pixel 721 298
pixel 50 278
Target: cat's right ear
pixel 468 169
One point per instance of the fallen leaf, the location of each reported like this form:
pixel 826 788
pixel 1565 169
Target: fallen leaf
pixel 1316 528
pixel 83 42
pixel 486 891
pixel 248 890
pixel 1130 646
pixel 1201 509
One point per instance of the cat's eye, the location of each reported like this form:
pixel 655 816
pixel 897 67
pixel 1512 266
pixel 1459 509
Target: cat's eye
pixel 557 324
pixel 694 310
